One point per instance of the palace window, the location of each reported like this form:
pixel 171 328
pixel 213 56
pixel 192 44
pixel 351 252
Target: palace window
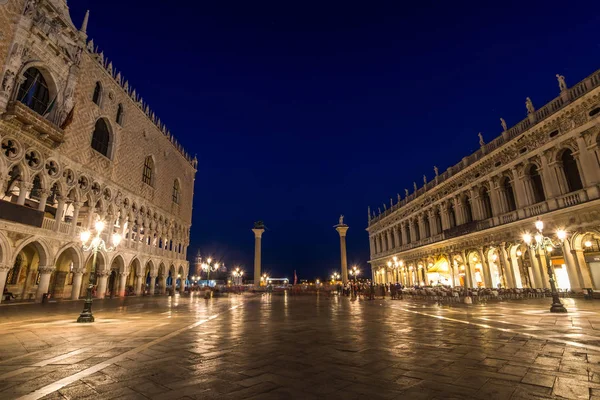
pixel 176 192
pixel 486 203
pixel 97 97
pixel 571 171
pixel 536 184
pixel 148 171
pixel 511 204
pixel 34 92
pixel 101 138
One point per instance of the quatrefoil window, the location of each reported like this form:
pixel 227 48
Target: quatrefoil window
pixel 33 159
pixel 83 183
pixel 52 168
pixel 107 194
pixel 9 148
pixel 96 188
pixel 69 176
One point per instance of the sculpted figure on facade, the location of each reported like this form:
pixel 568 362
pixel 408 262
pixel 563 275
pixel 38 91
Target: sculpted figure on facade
pixel 529 106
pixel 481 141
pixel 435 169
pixel 341 221
pixel 562 84
pixel 8 81
pixel 503 123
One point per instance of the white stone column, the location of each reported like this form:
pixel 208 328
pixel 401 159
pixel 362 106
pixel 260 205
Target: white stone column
pixel 45 273
pixel 422 230
pixel 507 266
pixel 403 232
pixel 396 236
pixel 257 255
pixel 519 188
pixel 60 209
pixel 139 280
pixel 535 269
pixel 342 229
pixel 152 284
pixel 485 267
pixel 494 197
pixel 24 187
pixel 44 193
pixel 571 265
pixel 77 281
pixel 3 274
pixel 182 284
pixel 122 283
pixel 584 270
pixel 541 257
pixel 389 239
pixel 76 207
pixel 101 279
pixel 589 166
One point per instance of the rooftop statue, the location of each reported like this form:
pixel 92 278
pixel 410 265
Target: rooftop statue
pixel 562 84
pixel 481 141
pixel 342 219
pixel 503 123
pixel 435 169
pixel 529 105
pixel 259 225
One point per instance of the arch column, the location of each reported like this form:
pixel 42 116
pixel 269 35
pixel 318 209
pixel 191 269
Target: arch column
pixel 45 272
pixel 60 209
pixel 507 266
pixel 389 239
pixel 535 269
pixel 541 256
pixel 102 278
pixel 468 270
pixel 24 187
pixel 122 283
pixel 152 284
pixel 44 193
pixel 77 281
pixel 182 284
pixel 589 167
pixel 3 274
pixel 403 232
pixel 76 207
pixel 396 236
pixel 514 265
pixel 584 271
pixel 485 266
pixel 139 280
pixel 572 267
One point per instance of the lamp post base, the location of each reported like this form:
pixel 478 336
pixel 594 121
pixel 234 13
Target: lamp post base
pixel 558 308
pixel 86 315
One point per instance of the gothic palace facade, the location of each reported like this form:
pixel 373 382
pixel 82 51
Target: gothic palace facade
pixel 80 145
pixel 466 226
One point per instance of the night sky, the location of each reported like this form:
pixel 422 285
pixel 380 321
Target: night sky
pixel 302 111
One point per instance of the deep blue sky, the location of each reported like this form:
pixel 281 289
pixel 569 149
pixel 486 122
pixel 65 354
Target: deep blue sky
pixel 301 111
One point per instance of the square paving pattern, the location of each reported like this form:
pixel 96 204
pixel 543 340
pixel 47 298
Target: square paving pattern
pixel 305 347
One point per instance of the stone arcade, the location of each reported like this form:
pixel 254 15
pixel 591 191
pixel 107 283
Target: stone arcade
pixel 79 144
pixel 465 227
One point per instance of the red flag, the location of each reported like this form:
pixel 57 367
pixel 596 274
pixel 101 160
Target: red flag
pixel 295 278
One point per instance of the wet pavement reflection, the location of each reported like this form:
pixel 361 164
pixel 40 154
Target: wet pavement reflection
pixel 282 346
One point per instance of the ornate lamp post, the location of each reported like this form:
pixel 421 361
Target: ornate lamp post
pixel 545 243
pixel 335 277
pixel 208 267
pixel 237 276
pixel 354 272
pixel 97 243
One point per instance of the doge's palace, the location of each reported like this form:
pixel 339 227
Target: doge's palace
pixel 468 226
pixel 80 145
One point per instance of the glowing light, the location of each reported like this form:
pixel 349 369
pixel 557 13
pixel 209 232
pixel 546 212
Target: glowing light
pixel 561 234
pixel 99 225
pixel 209 260
pixel 494 257
pixel 389 263
pixel 588 243
pixel 549 249
pixel 96 241
pixel 539 238
pixel 519 253
pixel 527 238
pixel 85 236
pixel 395 258
pixel 116 239
pixel 539 225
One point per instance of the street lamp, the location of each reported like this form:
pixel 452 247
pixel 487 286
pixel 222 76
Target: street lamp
pixel 208 267
pixel 354 272
pixel 335 277
pixel 237 276
pixel 541 242
pixel 96 243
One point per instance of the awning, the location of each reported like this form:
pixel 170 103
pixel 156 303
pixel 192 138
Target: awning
pixel 440 266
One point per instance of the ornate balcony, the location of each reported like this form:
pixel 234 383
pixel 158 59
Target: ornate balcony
pixel 35 124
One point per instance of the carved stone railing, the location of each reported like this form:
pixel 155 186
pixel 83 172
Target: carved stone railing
pixel 509 217
pixel 48 223
pixel 536 209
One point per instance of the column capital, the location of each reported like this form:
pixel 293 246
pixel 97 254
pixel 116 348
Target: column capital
pixel 258 232
pixel 102 274
pixel 79 271
pixel 4 267
pixel 342 229
pixel 46 269
pixel 123 274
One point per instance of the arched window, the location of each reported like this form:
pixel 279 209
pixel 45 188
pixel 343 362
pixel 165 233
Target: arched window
pixel 101 138
pixel 427 232
pixel 97 97
pixel 34 92
pixel 438 221
pixel 176 192
pixel 407 230
pixel 511 204
pixel 571 171
pixel 451 215
pixel 120 115
pixel 535 180
pixel 486 203
pixel 36 189
pixel 468 209
pixel 417 230
pixel 147 176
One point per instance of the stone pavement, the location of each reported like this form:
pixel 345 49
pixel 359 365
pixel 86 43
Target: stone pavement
pixel 305 347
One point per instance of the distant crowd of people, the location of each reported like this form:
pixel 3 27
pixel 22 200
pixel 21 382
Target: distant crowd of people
pixel 370 290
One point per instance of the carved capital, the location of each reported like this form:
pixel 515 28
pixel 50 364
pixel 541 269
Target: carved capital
pixel 79 271
pixel 102 274
pixel 46 269
pixel 4 267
